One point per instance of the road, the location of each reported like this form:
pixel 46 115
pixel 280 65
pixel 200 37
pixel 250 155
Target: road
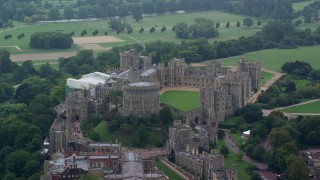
pixel 263 168
pixel 266 112
pixel 276 77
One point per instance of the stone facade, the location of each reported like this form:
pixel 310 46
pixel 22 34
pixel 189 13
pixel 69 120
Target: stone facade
pixel 183 136
pixel 132 59
pixel 209 166
pixel 141 98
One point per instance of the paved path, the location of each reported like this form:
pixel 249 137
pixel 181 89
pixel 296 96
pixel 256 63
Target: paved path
pixel 185 175
pixel 41 56
pixel 266 112
pixel 276 77
pixel 263 168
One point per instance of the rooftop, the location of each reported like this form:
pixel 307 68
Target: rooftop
pixel 148 72
pixel 141 84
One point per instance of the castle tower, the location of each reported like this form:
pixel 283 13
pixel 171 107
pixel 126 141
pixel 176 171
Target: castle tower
pixel 129 59
pixel 253 68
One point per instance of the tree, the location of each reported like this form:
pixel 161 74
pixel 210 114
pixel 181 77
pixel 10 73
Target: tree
pixel 217 25
pixel 297 68
pixel 251 113
pixel 315 75
pixel 143 135
pixel 137 12
pixel 224 150
pixel 123 10
pixel 31 167
pixel 161 7
pixel 163 29
pixel 297 22
pixel 259 23
pixel 111 10
pixel 53 14
pixel 50 40
pixel 181 30
pixel 238 24
pixel 307 19
pixel 287 43
pixel 16 161
pixel 227 25
pixel 141 30
pixel 152 29
pixel 148 7
pixel 68 12
pixel 297 168
pixel 97 11
pixel 6 91
pixel 290 87
pixel 45 70
pixel 27 20
pixel 247 22
pixel 5 61
pixel 83 12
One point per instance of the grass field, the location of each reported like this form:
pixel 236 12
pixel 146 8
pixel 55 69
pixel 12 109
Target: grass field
pixel 236 137
pixel 265 76
pixel 300 5
pixel 183 100
pixel 275 58
pixel 127 139
pixel 313 107
pixel 231 161
pixel 153 21
pixel 168 172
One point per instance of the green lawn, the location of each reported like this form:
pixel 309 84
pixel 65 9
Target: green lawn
pixel 128 138
pixel 236 137
pixel 313 107
pixel 102 25
pixel 275 58
pixel 265 76
pixel 300 5
pixel 183 100
pixel 168 172
pixel 231 161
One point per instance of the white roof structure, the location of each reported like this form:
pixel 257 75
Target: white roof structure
pixel 246 132
pixel 148 72
pixel 88 80
pixel 141 84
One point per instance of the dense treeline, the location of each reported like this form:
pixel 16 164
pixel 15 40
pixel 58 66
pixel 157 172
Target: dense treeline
pixel 302 82
pixel 33 11
pixel 50 40
pixel 203 28
pixel 278 34
pixel 26 115
pixel 275 140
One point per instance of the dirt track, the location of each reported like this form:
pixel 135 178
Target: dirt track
pixel 41 56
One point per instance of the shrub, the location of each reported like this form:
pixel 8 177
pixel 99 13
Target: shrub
pixel 106 33
pixel 163 29
pixel 152 29
pixel 141 30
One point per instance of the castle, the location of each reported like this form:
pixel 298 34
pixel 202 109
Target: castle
pixel 222 92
